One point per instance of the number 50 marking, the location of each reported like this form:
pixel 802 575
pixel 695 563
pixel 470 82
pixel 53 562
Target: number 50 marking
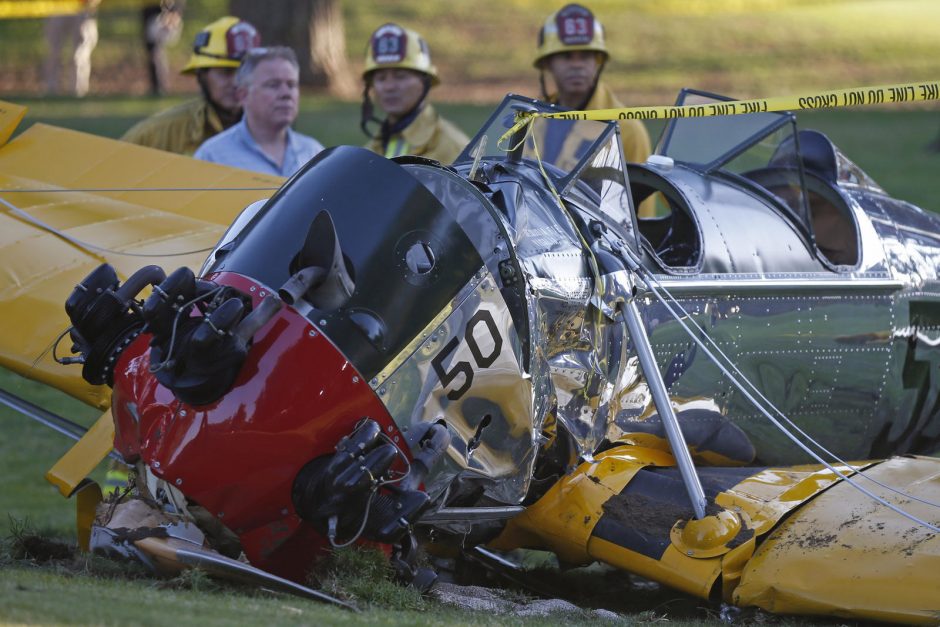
pixel 463 367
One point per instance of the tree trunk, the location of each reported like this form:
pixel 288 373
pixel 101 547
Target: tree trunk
pixel 314 29
pixel 327 37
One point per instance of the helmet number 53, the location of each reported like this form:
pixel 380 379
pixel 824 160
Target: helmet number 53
pixel 494 343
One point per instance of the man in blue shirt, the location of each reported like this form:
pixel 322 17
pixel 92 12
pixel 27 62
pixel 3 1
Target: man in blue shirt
pixel 268 91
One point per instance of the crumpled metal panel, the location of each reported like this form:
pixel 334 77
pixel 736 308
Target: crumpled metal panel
pixel 577 354
pixel 580 349
pixel 823 344
pixel 493 423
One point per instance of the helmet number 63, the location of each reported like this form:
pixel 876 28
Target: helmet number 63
pixel 494 343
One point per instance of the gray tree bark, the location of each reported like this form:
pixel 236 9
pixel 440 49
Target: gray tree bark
pixel 314 29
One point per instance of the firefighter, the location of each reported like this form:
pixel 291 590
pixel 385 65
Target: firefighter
pixel 217 53
pixel 399 71
pixel 573 52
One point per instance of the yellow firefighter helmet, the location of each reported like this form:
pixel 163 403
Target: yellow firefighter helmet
pixel 571 28
pixel 392 46
pixel 222 44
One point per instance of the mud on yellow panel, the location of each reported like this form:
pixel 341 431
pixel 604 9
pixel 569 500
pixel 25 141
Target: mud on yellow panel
pixel 797 540
pixel 845 555
pixel 562 520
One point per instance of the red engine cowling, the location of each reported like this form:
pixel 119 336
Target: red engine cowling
pixel 294 398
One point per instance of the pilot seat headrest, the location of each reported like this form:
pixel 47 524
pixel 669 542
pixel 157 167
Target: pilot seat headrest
pixel 816 150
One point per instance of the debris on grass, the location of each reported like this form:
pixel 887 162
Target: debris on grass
pixel 501 601
pixel 25 544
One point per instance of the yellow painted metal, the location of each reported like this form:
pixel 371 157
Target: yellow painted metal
pixel 10 9
pixel 68 473
pixel 843 554
pixel 166 209
pixel 562 520
pixel 732 565
pixel 819 546
pixel 709 536
pixel 86 505
pixel 703 458
pixel 674 569
pixel 10 117
pixel 771 493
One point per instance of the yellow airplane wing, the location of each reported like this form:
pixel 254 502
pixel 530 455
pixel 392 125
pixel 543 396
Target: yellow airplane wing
pixel 70 201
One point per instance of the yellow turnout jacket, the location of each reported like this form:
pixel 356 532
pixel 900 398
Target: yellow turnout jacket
pixel 180 129
pixel 429 135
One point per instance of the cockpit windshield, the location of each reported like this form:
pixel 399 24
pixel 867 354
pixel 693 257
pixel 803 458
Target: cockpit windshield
pixel 712 142
pixel 761 147
pixel 580 157
pixel 405 251
pixel 564 147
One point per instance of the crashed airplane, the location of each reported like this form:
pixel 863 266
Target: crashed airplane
pixel 732 398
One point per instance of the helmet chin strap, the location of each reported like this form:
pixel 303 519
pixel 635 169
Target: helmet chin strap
pixel 367 113
pixel 228 117
pixel 386 130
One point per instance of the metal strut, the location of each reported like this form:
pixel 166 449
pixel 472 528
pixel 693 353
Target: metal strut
pixel 641 342
pixel 55 422
pixel 654 378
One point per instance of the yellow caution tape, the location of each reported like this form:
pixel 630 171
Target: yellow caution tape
pixel 39 8
pixel 860 96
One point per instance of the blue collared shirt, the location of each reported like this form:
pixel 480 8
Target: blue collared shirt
pixel 236 147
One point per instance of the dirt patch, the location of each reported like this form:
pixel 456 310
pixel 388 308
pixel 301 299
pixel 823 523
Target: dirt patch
pixel 650 516
pixel 592 588
pixel 810 540
pixel 816 540
pixel 41 549
pixel 645 515
pixel 851 522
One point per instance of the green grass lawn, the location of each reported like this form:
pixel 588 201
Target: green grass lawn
pixel 27 450
pixel 30 595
